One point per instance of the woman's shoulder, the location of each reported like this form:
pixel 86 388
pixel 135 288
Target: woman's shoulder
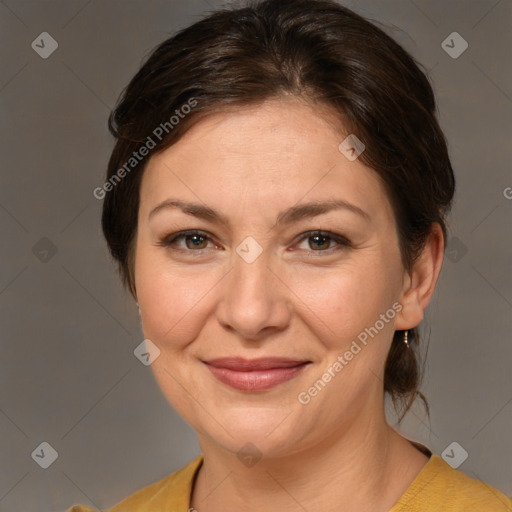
pixel 440 487
pixel 437 487
pixel 171 494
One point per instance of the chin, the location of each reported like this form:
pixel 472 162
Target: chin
pixel 269 432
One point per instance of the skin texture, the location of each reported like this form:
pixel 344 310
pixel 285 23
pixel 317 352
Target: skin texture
pixel 298 299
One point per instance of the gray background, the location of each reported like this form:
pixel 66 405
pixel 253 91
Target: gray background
pixel 68 375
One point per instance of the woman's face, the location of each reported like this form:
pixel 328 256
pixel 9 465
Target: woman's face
pixel 255 283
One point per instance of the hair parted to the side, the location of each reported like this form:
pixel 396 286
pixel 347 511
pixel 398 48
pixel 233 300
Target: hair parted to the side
pixel 316 50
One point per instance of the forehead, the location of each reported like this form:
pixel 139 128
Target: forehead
pixel 276 153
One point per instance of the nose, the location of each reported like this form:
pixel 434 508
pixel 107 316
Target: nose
pixel 255 301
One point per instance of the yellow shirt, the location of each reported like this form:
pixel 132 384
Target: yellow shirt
pixel 437 488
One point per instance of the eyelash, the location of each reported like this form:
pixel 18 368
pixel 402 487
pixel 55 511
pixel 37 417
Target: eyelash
pixel 342 241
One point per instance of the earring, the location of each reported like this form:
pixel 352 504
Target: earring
pixel 406 341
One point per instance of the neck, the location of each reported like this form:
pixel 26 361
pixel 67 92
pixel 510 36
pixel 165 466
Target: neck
pixel 367 468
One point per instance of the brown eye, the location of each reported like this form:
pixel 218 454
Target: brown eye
pixel 319 242
pixel 195 241
pixel 322 241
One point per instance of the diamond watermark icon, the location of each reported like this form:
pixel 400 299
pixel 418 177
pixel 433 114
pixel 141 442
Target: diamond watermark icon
pixel 44 45
pixel 45 455
pixel 146 352
pixel 249 455
pixel 454 45
pixel 351 147
pixel 454 454
pixel 249 250
pixel 455 249
pixel 44 250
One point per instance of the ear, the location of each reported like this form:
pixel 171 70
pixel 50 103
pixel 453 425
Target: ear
pixel 420 282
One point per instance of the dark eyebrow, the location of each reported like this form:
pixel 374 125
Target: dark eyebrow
pixel 197 210
pixel 293 214
pixel 314 208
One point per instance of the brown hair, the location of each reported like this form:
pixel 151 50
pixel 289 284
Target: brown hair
pixel 314 49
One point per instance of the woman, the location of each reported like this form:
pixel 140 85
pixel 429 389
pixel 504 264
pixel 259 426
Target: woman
pixel 276 202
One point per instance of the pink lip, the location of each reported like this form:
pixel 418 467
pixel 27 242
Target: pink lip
pixel 254 374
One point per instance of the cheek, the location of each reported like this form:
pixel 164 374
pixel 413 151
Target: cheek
pixel 173 300
pixel 342 302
